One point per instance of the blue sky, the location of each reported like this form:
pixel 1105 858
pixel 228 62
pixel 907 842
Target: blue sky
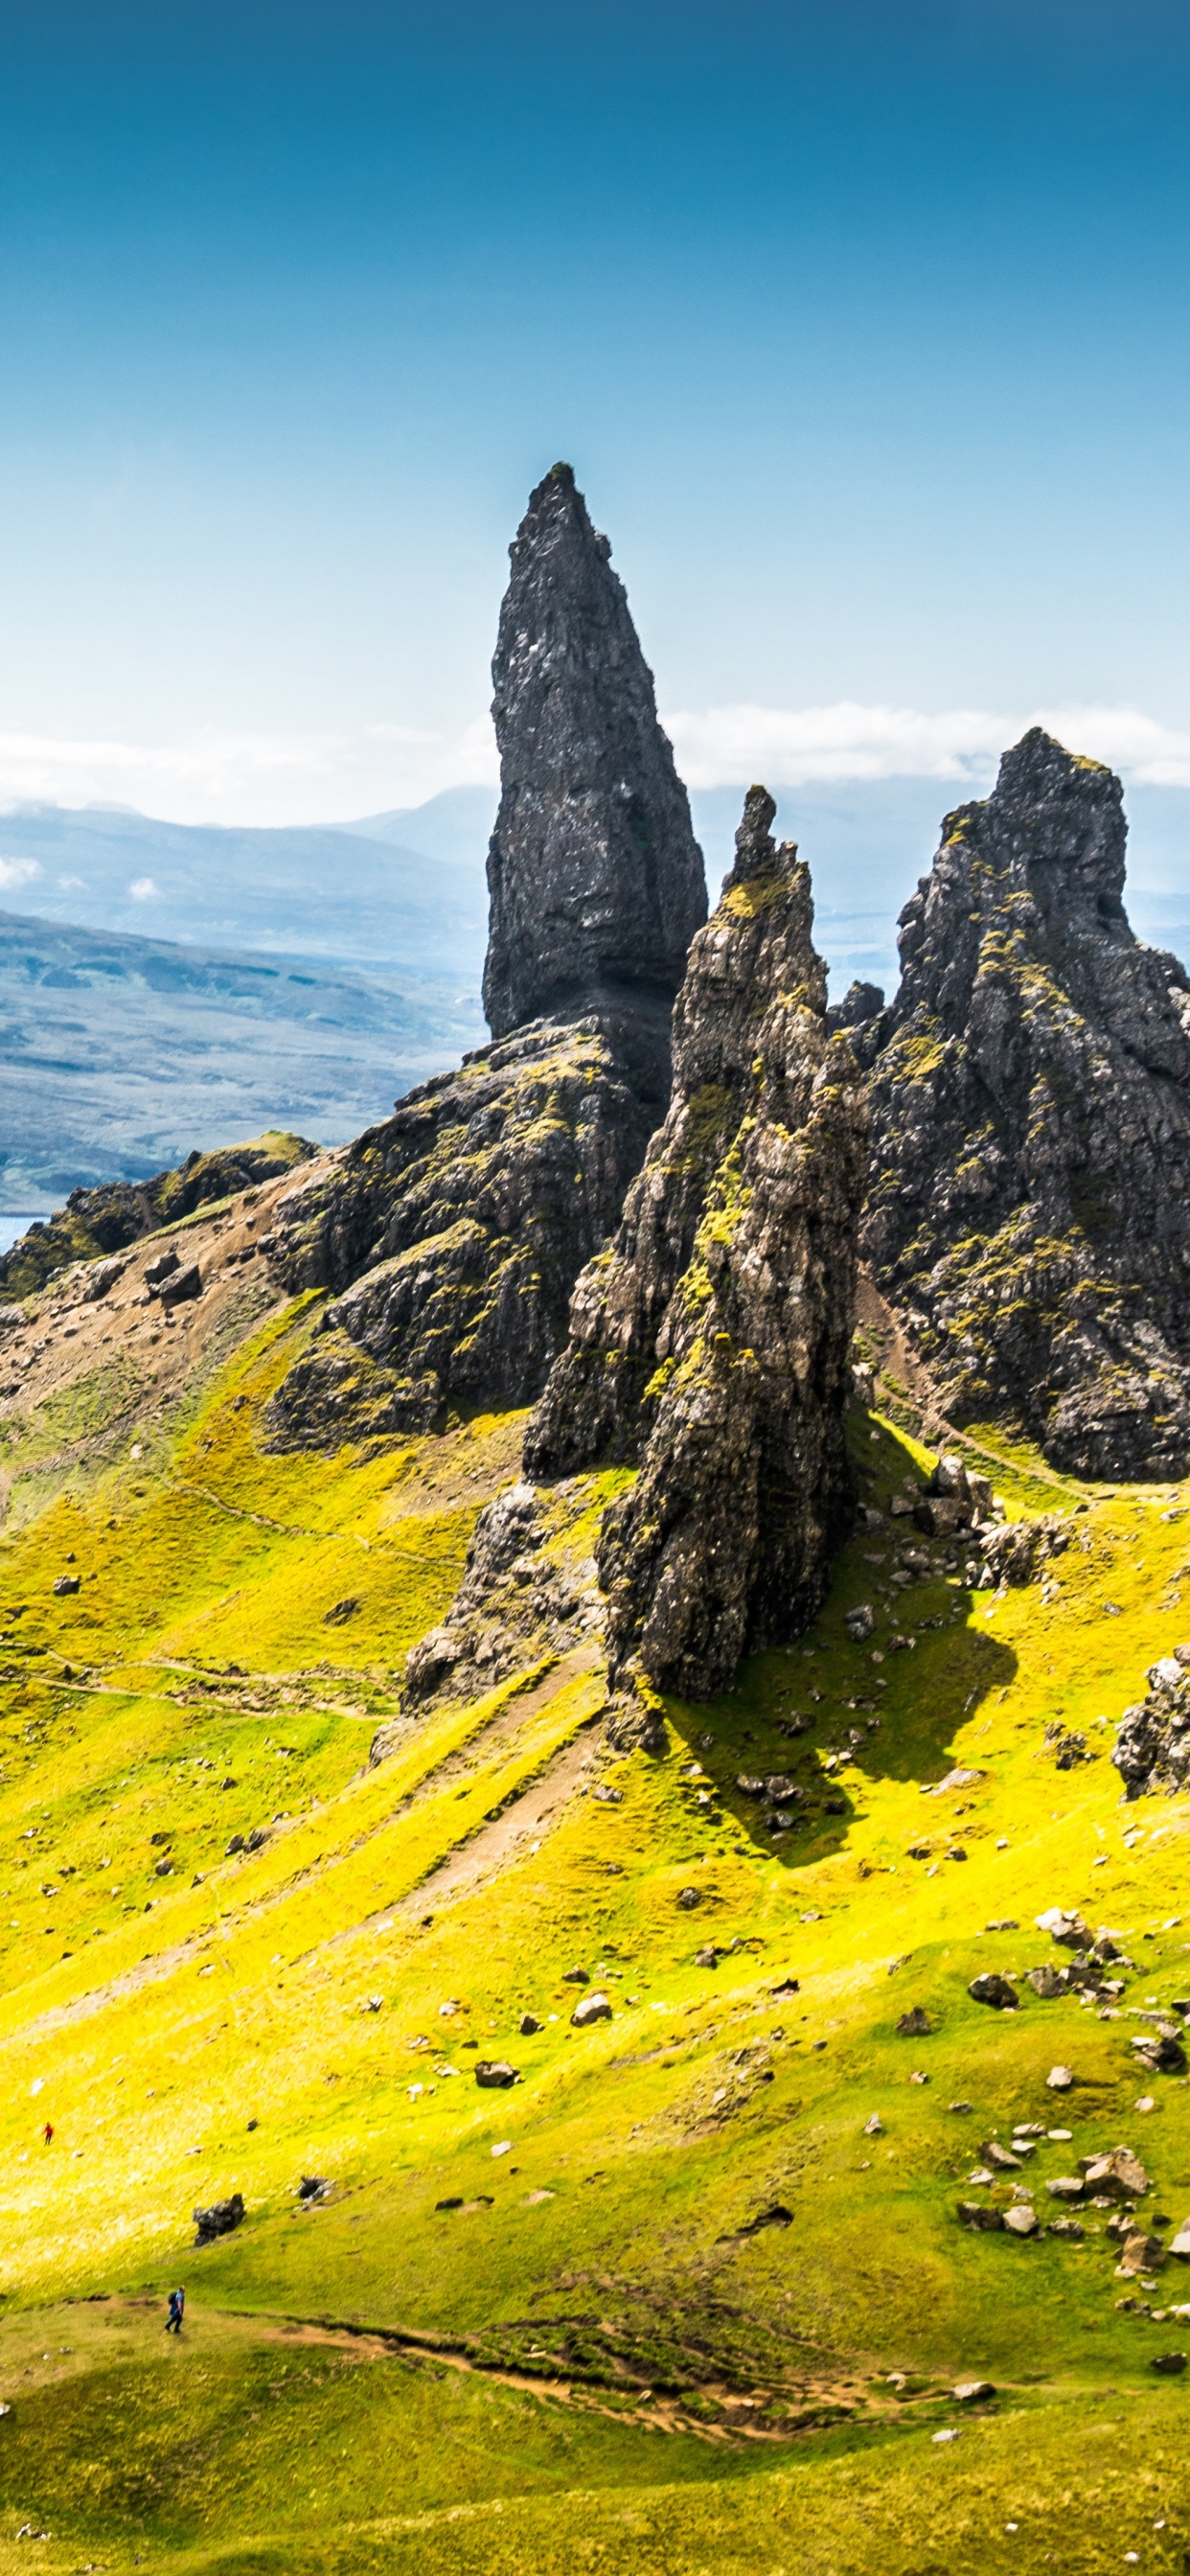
pixel 867 341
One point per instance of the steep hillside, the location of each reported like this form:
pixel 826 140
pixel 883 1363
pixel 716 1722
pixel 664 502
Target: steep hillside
pixel 694 2290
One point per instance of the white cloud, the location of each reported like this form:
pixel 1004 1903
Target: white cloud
pixel 249 777
pixel 18 872
pixel 720 746
pixel 265 778
pixel 143 889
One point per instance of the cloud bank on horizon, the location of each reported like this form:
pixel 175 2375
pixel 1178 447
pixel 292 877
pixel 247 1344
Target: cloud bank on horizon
pixel 270 779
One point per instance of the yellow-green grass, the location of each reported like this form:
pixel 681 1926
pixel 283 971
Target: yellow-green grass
pixel 153 2019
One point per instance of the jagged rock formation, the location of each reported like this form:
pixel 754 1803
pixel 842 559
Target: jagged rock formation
pixel 1029 1207
pixel 453 1233
pixel 524 1596
pixel 596 879
pixel 710 1341
pixel 117 1213
pixel 1152 1748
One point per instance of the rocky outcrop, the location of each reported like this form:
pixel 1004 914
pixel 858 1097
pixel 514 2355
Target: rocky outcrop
pixel 117 1213
pixel 596 879
pixel 710 1340
pixel 523 1597
pixel 1152 1748
pixel 1029 1209
pixel 451 1236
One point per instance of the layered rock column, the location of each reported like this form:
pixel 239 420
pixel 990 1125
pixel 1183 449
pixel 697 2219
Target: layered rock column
pixel 1029 1208
pixel 710 1342
pixel 595 877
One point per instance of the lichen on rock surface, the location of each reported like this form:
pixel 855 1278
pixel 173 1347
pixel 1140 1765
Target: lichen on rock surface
pixel 710 1341
pixel 596 879
pixel 451 1235
pixel 1029 1204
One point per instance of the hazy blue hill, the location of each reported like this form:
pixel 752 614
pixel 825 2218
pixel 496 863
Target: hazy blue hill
pixel 117 1055
pixel 326 892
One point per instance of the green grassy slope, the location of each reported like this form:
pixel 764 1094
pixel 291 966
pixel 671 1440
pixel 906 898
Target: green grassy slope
pixel 538 2327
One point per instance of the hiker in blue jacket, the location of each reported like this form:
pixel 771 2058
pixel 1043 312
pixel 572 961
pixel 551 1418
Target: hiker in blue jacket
pixel 177 2309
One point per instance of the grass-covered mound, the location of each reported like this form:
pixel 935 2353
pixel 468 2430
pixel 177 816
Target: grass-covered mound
pixel 670 2302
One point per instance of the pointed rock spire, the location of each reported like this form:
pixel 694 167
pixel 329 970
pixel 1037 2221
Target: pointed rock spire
pixel 595 877
pixel 710 1340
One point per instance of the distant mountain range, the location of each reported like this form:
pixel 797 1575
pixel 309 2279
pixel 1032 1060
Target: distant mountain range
pixel 166 985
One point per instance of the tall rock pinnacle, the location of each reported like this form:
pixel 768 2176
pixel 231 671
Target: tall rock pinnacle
pixel 710 1340
pixel 1029 1207
pixel 595 877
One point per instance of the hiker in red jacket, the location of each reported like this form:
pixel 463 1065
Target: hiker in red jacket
pixel 48 2131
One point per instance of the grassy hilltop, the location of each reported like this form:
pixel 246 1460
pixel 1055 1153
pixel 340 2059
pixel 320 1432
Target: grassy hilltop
pixel 668 2304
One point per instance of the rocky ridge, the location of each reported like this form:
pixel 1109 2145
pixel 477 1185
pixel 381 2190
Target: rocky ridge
pixel 117 1214
pixel 710 1341
pixel 1028 1208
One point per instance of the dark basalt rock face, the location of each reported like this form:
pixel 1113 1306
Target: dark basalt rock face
pixel 596 879
pixel 1029 1208
pixel 710 1341
pixel 1152 1748
pixel 118 1213
pixel 452 1235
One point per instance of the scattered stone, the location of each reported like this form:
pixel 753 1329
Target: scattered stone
pixel 1118 2175
pixel 589 2008
pixel 957 1779
pixel 219 2220
pixel 993 1989
pixel 860 1623
pixel 960 2106
pixel 1180 2244
pixel 529 2024
pixel 973 2392
pixel 915 2024
pixel 181 1284
pixel 787 1986
pixel 1001 2157
pixel 706 1958
pixel 1170 2364
pixel 67 1583
pixel 160 1268
pixel 1069 2228
pixel 1067 2187
pixel 340 1612
pixel 1160 2052
pixel 1141 2254
pixel 495 2073
pixel 1060 2079
pixel 454 2200
pixel 576 1976
pixel 1046 1981
pixel 1152 1748
pixel 313 2187
pixel 1066 1927
pixel 979 2214
pixel 1021 2221
pixel 688 1898
pixel 874 2128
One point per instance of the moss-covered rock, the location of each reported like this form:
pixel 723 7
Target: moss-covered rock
pixel 712 1343
pixel 1029 1202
